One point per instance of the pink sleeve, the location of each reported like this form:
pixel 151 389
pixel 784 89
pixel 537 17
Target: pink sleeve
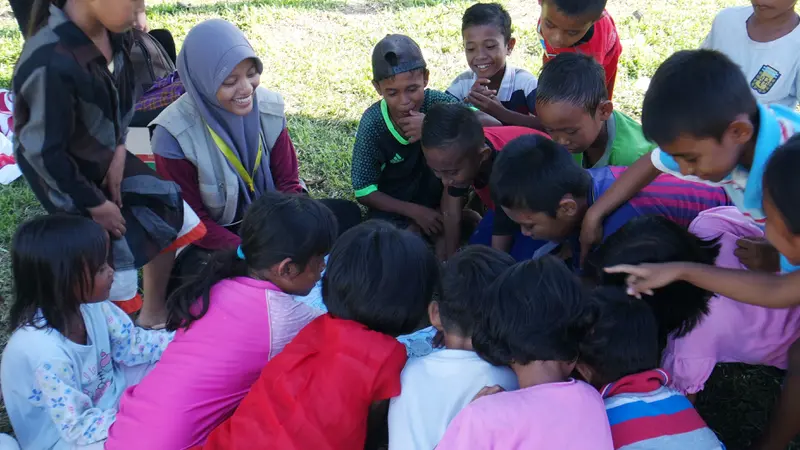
pixel 464 432
pixel 184 173
pixel 283 165
pixel 688 375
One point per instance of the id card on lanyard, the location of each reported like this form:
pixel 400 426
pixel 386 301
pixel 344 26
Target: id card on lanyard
pixel 231 157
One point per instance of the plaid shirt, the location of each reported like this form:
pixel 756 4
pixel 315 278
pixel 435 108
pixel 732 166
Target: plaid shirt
pixel 70 115
pixel 162 93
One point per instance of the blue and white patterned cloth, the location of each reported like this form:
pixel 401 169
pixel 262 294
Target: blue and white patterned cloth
pixel 418 343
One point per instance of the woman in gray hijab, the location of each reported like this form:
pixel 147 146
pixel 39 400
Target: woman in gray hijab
pixel 225 141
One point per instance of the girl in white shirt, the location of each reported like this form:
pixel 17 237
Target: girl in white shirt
pixel 72 353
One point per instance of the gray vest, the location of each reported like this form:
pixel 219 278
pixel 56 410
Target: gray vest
pixel 219 183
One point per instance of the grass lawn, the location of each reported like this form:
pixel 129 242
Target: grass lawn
pixel 316 53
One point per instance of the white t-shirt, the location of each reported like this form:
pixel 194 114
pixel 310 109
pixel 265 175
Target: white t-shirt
pixel 434 389
pixel 772 68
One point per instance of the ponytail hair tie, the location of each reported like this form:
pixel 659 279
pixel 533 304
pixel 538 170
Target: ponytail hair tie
pixel 240 253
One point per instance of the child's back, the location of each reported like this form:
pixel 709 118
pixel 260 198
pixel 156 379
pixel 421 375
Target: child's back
pixel 535 316
pixel 437 386
pixel 770 63
pixel 318 391
pixel 620 356
pixel 567 415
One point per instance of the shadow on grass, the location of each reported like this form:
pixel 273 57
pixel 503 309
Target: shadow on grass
pixel 737 402
pixel 318 5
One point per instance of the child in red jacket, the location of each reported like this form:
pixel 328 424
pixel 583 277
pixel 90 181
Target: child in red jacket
pixel 317 393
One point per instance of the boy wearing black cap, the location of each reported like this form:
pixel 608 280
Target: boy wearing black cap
pixel 389 173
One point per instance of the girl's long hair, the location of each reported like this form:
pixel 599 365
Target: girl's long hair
pixel 54 260
pixel 277 226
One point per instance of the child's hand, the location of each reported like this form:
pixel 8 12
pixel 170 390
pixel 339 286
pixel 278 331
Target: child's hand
pixel 481 86
pixel 411 126
pixel 109 217
pixel 488 390
pixel 486 102
pixel 591 234
pixel 643 278
pixel 757 254
pixel 429 220
pixel 113 180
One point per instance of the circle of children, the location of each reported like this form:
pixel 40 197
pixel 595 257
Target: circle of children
pixel 611 267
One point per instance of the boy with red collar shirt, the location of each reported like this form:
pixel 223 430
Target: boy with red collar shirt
pixel 581 26
pixel 620 357
pixel 461 154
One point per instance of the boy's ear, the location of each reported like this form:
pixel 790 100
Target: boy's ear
pixel 510 46
pixel 433 315
pixel 377 87
pixel 604 110
pixel 425 77
pixel 485 153
pixel 741 130
pixel 567 207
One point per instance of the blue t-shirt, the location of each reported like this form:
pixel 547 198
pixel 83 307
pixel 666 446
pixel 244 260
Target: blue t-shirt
pixel 777 124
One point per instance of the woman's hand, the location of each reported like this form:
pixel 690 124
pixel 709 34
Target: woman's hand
pixel 109 217
pixel 113 180
pixel 643 278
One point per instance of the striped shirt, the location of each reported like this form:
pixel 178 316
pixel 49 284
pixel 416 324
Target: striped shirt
pixel 517 89
pixel 645 414
pixel 678 200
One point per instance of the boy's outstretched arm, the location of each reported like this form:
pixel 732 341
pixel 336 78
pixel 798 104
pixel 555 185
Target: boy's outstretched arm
pixel 451 218
pixel 755 288
pixel 429 220
pixel 639 174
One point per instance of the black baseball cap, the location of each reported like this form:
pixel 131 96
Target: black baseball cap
pixel 395 54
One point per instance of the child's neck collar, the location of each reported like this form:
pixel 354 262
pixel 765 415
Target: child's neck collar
pixel 456 342
pixel 542 372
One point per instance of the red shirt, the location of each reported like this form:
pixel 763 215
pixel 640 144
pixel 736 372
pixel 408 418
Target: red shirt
pixel 604 46
pixel 316 393
pixel 497 138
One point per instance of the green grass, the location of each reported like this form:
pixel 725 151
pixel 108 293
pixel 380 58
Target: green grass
pixel 316 53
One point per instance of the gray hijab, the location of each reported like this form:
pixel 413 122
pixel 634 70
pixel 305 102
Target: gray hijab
pixel 212 50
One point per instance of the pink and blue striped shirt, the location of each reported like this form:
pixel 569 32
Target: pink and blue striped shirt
pixel 644 414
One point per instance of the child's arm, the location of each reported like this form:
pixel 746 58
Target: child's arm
pixel 503 230
pixel 755 288
pixel 639 174
pixel 131 345
pixel 451 218
pixel 78 421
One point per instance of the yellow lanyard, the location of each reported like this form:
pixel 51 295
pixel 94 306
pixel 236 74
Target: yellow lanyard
pixel 231 157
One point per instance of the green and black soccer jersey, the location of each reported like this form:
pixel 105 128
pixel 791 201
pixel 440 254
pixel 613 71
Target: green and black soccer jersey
pixel 384 161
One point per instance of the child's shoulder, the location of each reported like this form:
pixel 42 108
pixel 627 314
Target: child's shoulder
pixel 28 345
pixel 462 84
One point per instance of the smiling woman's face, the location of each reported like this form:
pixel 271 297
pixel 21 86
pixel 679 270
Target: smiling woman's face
pixel 235 94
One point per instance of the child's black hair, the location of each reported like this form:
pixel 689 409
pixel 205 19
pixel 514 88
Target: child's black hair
pixel 276 226
pixel 575 79
pixel 536 311
pixel 580 8
pixel 381 277
pixel 624 338
pixel 781 182
pixel 54 260
pixel 492 14
pixel 533 172
pixel 465 280
pixel 679 306
pixel 452 126
pixel 698 93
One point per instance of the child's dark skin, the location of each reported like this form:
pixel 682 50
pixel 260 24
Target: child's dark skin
pixel 576 129
pixel 561 30
pixel 456 168
pixel 486 50
pixel 772 19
